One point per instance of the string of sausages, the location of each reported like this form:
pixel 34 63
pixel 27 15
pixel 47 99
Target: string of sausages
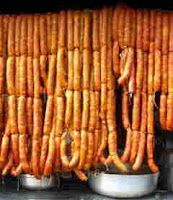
pixel 143 69
pixel 63 78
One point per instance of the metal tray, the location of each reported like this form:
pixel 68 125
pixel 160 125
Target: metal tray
pixel 123 186
pixel 30 182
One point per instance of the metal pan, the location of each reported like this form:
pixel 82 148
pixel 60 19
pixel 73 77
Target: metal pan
pixel 30 182
pixel 123 186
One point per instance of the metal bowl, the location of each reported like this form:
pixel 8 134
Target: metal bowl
pixel 123 186
pixel 30 182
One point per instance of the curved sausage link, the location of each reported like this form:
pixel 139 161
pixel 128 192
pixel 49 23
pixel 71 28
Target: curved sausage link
pixel 63 149
pixel 8 165
pixel 112 152
pixel 150 153
pixel 126 153
pixel 49 165
pixel 44 151
pixel 57 165
pixel 76 155
pixel 90 151
pixel 80 174
pixel 83 149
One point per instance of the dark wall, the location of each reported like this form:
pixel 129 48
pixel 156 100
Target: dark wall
pixel 19 6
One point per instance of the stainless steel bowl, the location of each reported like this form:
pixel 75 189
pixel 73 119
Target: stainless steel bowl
pixel 30 182
pixel 123 186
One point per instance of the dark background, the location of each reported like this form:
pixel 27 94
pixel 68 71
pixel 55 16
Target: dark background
pixel 21 6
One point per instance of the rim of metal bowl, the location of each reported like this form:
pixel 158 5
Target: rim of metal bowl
pixel 32 176
pixel 127 175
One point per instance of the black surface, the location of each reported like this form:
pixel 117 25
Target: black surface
pixel 25 6
pixel 32 6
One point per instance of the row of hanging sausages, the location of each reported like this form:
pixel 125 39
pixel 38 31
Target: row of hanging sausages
pixel 150 31
pixel 57 93
pixel 59 75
